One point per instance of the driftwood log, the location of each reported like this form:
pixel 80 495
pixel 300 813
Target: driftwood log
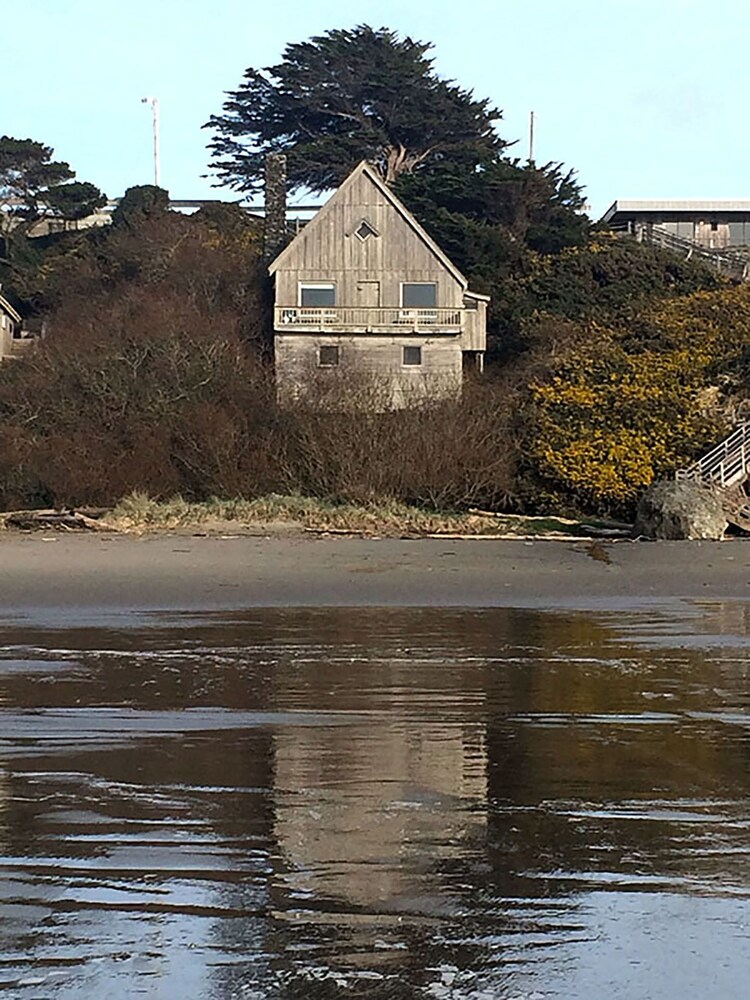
pixel 54 520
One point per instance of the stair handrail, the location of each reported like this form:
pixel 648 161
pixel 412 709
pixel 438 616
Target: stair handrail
pixel 718 258
pixel 728 462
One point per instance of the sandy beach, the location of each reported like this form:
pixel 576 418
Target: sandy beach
pixel 169 572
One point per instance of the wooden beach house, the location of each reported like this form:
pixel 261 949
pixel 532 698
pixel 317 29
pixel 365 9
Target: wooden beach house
pixel 364 296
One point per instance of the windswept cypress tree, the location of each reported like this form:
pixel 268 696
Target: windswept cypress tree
pixel 346 96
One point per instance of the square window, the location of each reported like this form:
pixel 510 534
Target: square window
pixel 328 356
pixel 412 356
pixel 317 295
pixel 364 231
pixel 714 227
pixel 419 295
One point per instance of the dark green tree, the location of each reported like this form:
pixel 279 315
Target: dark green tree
pixel 33 186
pixel 140 202
pixel 472 207
pixel 494 217
pixel 342 97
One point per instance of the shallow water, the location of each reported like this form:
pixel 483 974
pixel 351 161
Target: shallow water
pixel 377 803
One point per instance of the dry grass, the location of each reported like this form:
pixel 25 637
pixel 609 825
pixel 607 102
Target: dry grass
pixel 139 513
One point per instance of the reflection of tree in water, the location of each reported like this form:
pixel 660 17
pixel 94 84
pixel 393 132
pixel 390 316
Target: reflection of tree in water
pixel 606 769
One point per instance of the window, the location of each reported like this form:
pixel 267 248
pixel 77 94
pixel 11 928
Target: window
pixel 328 356
pixel 364 231
pixel 412 356
pixel 317 295
pixel 419 294
pixel 714 227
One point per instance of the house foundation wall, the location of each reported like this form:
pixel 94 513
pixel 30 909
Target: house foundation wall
pixel 368 366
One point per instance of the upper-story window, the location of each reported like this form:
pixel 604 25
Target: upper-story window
pixel 317 294
pixel 419 294
pixel 365 230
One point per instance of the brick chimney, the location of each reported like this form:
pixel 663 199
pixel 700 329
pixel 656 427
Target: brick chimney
pixel 275 229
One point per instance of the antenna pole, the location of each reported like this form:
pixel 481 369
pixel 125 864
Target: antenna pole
pixel 531 137
pixel 154 102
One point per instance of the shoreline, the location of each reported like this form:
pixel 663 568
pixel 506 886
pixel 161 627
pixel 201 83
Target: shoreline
pixel 92 574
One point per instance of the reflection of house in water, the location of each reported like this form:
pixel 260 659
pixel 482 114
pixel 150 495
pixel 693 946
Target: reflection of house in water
pixel 368 807
pixel 352 802
pixel 3 802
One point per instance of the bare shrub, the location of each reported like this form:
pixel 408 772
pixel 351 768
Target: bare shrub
pixel 142 390
pixel 455 452
pixel 136 392
pixel 17 481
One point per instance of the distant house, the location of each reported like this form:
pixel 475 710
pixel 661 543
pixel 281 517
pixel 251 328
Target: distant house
pixel 12 338
pixel 715 225
pixel 363 292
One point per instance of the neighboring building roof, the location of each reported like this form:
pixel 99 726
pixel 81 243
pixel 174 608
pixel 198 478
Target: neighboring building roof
pixel 374 177
pixel 707 207
pixel 8 308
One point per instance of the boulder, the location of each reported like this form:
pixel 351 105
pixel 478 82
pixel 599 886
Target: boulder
pixel 680 509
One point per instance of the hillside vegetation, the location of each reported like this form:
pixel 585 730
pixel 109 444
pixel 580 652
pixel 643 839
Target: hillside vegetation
pixel 154 377
pixel 609 363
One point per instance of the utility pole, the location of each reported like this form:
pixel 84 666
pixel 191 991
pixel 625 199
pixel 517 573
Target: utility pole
pixel 531 137
pixel 154 102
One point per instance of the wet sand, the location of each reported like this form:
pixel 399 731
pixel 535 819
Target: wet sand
pixel 203 573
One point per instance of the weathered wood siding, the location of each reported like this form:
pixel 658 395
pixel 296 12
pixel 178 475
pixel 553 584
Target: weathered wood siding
pixel 327 249
pixel 475 327
pixel 368 275
pixel 7 341
pixel 376 360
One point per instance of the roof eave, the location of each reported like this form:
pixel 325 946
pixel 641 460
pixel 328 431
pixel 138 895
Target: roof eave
pixel 13 313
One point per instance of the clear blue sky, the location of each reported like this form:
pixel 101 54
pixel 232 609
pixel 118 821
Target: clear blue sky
pixel 644 98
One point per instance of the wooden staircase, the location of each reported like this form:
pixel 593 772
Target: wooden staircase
pixel 731 263
pixel 727 466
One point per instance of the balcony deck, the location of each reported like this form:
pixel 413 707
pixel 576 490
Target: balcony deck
pixel 368 319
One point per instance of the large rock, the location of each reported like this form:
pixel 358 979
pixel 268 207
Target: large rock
pixel 680 509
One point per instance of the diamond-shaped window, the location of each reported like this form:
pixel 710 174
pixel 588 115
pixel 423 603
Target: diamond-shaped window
pixel 364 231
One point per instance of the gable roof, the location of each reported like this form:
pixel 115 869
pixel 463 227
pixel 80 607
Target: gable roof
pixel 372 175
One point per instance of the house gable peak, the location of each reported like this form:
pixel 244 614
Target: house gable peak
pixel 372 175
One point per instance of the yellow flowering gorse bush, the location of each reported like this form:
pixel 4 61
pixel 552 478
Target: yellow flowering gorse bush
pixel 623 406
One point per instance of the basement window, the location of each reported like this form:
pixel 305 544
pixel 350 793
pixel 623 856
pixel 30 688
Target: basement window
pixel 412 356
pixel 328 356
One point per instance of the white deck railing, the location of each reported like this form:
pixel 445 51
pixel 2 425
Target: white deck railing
pixel 726 464
pixel 369 319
